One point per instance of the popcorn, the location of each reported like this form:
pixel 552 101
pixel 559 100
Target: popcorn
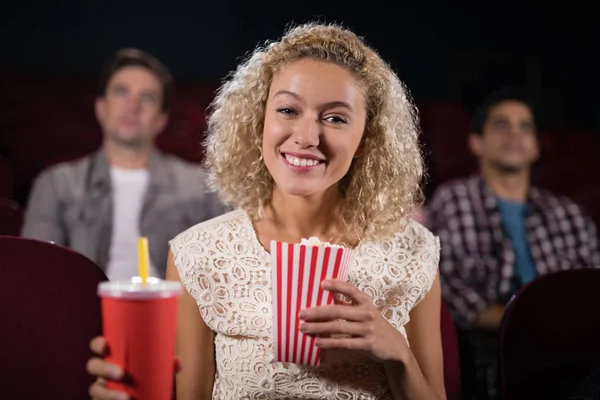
pixel 315 241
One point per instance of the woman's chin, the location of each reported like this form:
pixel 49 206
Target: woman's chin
pixel 300 190
pixel 304 190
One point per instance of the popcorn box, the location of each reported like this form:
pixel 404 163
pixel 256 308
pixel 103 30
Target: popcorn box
pixel 297 272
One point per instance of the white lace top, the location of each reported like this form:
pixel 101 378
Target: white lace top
pixel 225 268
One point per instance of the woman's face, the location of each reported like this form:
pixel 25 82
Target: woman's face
pixel 314 123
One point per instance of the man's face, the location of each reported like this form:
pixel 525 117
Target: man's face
pixel 508 140
pixel 130 112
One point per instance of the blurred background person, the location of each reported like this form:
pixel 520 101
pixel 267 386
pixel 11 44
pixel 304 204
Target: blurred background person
pixel 100 204
pixel 498 232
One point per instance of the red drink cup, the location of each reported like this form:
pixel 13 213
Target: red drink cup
pixel 140 324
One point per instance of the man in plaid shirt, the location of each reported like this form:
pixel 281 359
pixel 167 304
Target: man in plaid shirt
pixel 498 232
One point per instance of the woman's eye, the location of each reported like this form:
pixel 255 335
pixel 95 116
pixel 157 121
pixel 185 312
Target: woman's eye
pixel 286 111
pixel 336 120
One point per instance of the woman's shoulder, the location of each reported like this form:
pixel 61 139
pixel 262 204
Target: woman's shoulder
pixel 412 236
pixel 398 270
pixel 207 247
pixel 413 248
pixel 212 228
pixel 420 242
pixel 417 235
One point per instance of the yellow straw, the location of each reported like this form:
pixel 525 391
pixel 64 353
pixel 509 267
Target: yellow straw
pixel 143 259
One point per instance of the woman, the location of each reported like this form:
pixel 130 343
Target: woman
pixel 313 135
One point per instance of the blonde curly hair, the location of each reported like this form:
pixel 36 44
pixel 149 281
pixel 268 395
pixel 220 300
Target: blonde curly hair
pixel 382 186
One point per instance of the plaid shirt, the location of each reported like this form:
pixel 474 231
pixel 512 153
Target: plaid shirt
pixel 477 258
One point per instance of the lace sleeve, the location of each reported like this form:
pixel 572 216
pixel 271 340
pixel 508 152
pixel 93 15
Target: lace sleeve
pixel 413 268
pixel 185 247
pixel 225 274
pixel 428 258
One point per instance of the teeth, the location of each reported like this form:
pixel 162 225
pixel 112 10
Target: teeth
pixel 301 162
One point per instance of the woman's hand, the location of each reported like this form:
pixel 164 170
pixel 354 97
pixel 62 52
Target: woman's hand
pixel 106 372
pixel 103 371
pixel 367 329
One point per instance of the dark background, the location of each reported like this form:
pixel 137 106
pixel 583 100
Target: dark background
pixel 455 51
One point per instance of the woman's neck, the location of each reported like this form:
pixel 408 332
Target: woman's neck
pixel 297 217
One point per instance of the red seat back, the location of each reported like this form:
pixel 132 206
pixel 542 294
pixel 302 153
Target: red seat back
pixel 451 356
pixel 549 336
pixel 50 312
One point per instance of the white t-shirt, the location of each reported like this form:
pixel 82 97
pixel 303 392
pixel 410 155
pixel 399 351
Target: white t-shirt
pixel 128 189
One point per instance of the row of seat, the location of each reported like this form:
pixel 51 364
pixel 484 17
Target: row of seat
pixel 548 337
pixel 45 119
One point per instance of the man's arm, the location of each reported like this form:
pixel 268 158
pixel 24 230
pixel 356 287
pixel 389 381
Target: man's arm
pixel 469 307
pixel 42 217
pixel 585 233
pixel 490 318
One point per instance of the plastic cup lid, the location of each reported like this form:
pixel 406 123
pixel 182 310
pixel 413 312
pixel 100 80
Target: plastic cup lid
pixel 134 288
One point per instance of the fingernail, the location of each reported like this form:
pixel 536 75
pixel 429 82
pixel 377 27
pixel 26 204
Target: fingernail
pixel 122 396
pixel 116 372
pixel 302 327
pixel 325 284
pixel 302 314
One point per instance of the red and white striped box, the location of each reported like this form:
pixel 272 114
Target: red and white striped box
pixel 297 273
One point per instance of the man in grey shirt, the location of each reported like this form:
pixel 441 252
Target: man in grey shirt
pixel 99 205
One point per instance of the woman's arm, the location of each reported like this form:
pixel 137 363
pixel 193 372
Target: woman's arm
pixel 195 347
pixel 414 373
pixel 421 374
